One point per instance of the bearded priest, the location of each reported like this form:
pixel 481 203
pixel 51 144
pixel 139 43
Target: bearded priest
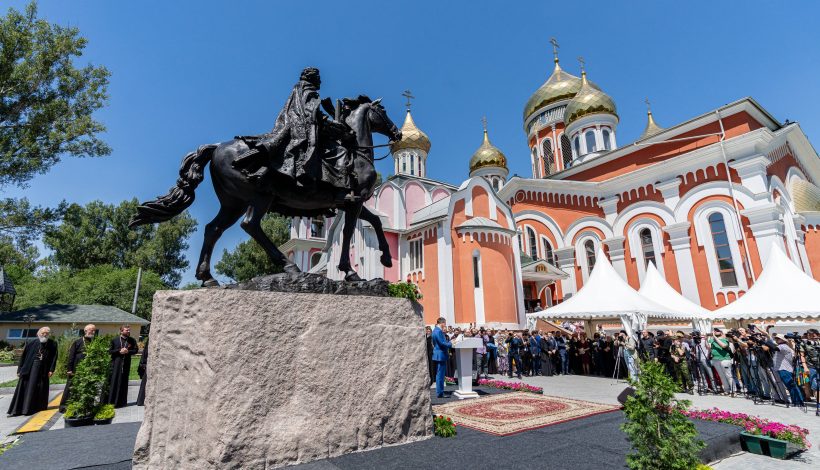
pixel 36 366
pixel 121 349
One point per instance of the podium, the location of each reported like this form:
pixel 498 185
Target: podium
pixel 464 362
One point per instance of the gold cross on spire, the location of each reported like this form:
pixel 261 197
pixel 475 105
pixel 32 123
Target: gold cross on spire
pixel 555 46
pixel 409 97
pixel 583 64
pixel 484 122
pixel 648 105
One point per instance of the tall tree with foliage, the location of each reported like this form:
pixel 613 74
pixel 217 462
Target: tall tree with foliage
pixel 104 285
pixel 248 259
pixel 46 100
pixel 98 234
pixel 662 437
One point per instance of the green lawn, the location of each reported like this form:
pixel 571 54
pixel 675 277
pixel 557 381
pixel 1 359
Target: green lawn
pixel 135 361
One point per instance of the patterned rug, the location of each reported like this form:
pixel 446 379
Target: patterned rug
pixel 510 413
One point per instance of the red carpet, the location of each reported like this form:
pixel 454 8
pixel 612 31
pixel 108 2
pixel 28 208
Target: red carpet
pixel 511 413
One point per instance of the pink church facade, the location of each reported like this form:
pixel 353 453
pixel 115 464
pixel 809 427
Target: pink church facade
pixel 704 200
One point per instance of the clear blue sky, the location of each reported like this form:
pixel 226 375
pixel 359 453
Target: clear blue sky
pixel 186 73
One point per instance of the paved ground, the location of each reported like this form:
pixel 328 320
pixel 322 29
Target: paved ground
pixel 7 373
pixel 594 389
pixel 604 390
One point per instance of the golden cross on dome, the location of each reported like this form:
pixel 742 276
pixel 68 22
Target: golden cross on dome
pixel 583 63
pixel 409 97
pixel 484 122
pixel 648 105
pixel 555 46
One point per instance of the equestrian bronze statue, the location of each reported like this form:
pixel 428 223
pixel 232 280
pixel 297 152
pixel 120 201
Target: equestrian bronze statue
pixel 310 164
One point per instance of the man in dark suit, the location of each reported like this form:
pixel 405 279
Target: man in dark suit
pixel 36 367
pixel 441 347
pixel 535 349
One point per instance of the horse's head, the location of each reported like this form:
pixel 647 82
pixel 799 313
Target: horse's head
pixel 380 122
pixel 376 116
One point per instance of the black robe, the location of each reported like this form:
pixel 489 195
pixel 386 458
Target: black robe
pixel 31 394
pixel 120 369
pixel 75 354
pixel 142 369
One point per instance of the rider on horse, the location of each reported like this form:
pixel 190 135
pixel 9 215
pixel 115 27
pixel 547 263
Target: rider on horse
pixel 304 143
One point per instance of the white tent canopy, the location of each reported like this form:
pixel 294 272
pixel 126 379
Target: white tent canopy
pixel 655 288
pixel 605 295
pixel 782 292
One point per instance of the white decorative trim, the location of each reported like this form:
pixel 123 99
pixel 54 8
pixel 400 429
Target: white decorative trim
pixel 715 188
pixel 680 241
pixel 587 222
pixel 547 221
pixel 636 246
pixel 644 207
pixel 670 190
pixel 615 246
pixel 565 257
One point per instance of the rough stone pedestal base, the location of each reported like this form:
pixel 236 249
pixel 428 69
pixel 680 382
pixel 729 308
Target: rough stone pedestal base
pixel 257 380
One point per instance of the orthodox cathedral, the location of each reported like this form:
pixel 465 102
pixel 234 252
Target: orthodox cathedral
pixel 704 200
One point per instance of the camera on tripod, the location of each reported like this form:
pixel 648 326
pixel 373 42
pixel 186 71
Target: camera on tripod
pixel 696 336
pixel 795 336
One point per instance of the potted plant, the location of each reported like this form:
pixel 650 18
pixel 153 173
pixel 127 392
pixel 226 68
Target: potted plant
pixel 89 385
pixel 105 414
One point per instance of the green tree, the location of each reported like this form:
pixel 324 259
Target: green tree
pixel 662 437
pixel 104 285
pixel 98 234
pixel 46 101
pixel 248 259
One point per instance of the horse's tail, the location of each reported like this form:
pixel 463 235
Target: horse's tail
pixel 181 196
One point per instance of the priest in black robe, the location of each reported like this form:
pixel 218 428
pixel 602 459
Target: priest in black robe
pixel 76 354
pixel 36 366
pixel 121 349
pixel 142 370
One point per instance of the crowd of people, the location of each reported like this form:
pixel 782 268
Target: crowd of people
pixel 737 362
pixel 39 361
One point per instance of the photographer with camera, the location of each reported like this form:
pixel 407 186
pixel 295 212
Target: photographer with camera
pixel 810 352
pixel 784 363
pixel 742 358
pixel 701 363
pixel 629 350
pixel 679 353
pixel 722 359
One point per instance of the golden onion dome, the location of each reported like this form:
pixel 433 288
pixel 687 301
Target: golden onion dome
pixel 411 137
pixel 487 155
pixel 559 86
pixel 589 100
pixel 651 127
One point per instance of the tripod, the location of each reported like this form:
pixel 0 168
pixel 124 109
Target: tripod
pixel 618 359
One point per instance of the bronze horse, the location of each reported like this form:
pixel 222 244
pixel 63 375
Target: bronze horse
pixel 237 195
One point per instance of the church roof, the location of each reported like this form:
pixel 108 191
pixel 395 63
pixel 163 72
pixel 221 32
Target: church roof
pixel 79 314
pixel 411 137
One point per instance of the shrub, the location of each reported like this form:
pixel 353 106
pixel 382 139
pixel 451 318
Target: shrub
pixel 405 290
pixel 443 426
pixel 662 437
pixel 6 356
pixel 90 382
pixel 5 345
pixel 105 412
pixel 63 346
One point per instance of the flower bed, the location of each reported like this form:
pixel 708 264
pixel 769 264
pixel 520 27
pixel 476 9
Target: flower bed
pixel 755 425
pixel 449 381
pixel 443 426
pixel 517 386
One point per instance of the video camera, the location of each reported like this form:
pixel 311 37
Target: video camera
pixel 795 336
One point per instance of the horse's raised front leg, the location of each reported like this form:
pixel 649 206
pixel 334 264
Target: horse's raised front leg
pixel 227 216
pixel 351 216
pixel 374 220
pixel 252 224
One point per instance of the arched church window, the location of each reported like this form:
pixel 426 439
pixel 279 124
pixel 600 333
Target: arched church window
pixel 723 253
pixel 577 145
pixel 315 258
pixel 566 150
pixel 495 184
pixel 647 247
pixel 317 225
pixel 404 164
pixel 548 254
pixel 412 164
pixel 589 248
pixel 533 243
pixel 590 139
pixel 607 143
pixel 549 157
